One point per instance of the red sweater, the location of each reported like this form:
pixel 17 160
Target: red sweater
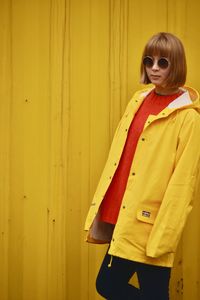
pixel 110 206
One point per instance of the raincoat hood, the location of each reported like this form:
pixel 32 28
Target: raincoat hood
pixel 189 98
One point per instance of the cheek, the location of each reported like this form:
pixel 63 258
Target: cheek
pixel 166 73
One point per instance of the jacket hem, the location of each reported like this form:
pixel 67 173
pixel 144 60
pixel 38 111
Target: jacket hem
pixel 165 262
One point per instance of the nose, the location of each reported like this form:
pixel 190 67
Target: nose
pixel 155 65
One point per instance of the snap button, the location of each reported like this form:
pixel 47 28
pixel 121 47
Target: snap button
pixel 124 206
pixel 133 173
pixel 143 139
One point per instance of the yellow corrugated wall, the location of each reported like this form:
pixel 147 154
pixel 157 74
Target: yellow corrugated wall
pixel 67 71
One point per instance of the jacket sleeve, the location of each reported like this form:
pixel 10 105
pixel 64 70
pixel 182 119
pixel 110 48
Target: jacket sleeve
pixel 181 190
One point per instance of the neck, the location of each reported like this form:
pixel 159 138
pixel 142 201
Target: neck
pixel 166 91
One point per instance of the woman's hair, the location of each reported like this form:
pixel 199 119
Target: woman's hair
pixel 167 45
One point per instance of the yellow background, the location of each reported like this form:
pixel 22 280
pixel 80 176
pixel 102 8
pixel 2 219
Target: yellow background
pixel 67 70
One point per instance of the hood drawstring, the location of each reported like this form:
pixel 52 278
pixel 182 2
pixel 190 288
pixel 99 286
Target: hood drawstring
pixel 110 263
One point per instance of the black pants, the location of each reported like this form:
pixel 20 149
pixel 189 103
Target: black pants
pixel 112 281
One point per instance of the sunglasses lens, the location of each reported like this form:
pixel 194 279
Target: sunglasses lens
pixel 148 62
pixel 163 63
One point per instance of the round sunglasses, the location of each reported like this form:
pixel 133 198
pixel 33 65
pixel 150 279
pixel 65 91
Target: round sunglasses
pixel 162 62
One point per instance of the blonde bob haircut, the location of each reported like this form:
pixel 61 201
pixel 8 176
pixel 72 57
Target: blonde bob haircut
pixel 167 45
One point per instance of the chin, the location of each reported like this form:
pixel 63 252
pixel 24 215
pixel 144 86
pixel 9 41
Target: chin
pixel 157 84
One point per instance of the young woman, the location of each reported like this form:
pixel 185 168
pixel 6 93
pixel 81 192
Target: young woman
pixel 149 182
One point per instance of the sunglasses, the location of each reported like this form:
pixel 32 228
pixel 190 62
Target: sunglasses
pixel 162 62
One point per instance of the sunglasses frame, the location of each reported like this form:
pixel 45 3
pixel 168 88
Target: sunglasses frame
pixel 151 62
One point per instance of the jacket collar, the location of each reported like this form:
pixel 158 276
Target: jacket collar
pixel 181 101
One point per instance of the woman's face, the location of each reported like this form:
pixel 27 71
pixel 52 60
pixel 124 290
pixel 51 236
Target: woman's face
pixel 158 70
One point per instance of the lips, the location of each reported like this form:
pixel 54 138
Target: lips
pixel 155 76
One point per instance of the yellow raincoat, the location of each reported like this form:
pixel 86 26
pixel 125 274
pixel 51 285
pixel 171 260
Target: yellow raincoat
pixel 161 185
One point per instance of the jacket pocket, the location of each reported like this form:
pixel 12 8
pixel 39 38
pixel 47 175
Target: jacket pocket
pixel 146 214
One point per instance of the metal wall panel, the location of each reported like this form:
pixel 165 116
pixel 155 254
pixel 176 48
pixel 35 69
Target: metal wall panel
pixel 67 70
